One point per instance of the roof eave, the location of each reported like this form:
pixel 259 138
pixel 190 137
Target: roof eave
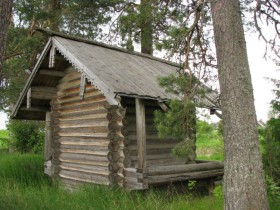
pixel 30 79
pixel 110 96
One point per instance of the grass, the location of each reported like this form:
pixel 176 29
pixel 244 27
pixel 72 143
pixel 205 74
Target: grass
pixel 209 145
pixel 24 186
pixel 4 138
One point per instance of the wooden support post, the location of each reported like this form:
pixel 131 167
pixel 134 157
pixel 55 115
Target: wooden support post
pixel 48 145
pixel 28 102
pixel 141 134
pixel 48 137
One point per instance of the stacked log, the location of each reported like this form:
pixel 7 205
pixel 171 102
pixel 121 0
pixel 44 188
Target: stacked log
pixel 81 132
pixel 172 173
pixel 116 156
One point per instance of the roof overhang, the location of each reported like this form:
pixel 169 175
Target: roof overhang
pixel 62 45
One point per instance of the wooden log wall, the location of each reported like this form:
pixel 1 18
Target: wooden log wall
pixel 158 150
pixel 115 117
pixel 80 132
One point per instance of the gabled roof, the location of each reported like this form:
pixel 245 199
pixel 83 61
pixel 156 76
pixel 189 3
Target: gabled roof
pixel 113 70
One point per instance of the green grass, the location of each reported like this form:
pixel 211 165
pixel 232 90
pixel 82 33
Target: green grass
pixel 4 138
pixel 209 146
pixel 24 186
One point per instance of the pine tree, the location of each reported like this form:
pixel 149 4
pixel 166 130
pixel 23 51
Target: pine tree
pixel 244 184
pixel 5 17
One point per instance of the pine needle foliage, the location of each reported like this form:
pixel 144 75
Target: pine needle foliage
pixel 179 121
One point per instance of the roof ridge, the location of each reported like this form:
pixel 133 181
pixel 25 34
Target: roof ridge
pixel 101 44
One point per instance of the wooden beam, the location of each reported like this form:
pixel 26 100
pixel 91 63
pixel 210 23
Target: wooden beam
pixel 177 169
pixel 141 134
pixel 163 106
pixel 53 73
pixel 43 92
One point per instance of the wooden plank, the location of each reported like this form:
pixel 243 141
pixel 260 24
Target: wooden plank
pixel 141 133
pixel 53 73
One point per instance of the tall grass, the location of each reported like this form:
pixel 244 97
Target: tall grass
pixel 209 142
pixel 24 186
pixel 4 138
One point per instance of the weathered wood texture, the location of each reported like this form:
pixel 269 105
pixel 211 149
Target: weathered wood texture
pixel 48 146
pixel 172 173
pixel 116 156
pixel 155 151
pixel 158 150
pixel 80 128
pixel 141 133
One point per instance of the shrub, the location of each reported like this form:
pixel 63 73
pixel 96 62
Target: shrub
pixel 27 136
pixel 270 142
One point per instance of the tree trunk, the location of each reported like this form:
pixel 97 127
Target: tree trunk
pixel 244 185
pixel 5 17
pixel 55 10
pixel 146 27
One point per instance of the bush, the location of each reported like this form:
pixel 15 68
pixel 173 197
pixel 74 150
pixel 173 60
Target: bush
pixel 27 136
pixel 270 142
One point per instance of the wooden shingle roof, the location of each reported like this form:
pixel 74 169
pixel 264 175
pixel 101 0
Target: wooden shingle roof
pixel 113 70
